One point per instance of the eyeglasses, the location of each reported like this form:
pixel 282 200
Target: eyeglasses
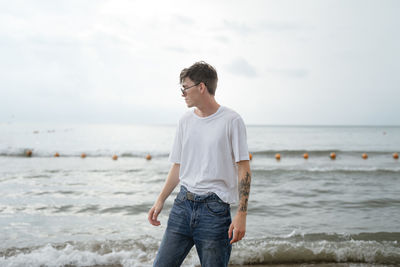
pixel 184 89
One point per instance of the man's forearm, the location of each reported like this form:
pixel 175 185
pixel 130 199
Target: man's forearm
pixel 244 192
pixel 244 185
pixel 170 183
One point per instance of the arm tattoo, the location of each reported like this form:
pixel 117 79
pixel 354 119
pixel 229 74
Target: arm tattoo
pixel 244 191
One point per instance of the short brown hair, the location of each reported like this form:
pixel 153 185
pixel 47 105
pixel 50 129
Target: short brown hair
pixel 201 72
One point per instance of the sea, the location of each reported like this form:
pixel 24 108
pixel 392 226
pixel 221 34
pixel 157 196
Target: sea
pixel 92 211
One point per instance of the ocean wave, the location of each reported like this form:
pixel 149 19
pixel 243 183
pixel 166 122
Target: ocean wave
pixel 98 153
pixel 284 252
pixel 369 248
pixel 324 169
pixel 106 253
pixel 88 209
pixel 320 152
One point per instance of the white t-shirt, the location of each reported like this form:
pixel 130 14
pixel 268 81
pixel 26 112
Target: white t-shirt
pixel 207 149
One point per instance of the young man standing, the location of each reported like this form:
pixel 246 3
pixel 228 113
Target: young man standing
pixel 211 161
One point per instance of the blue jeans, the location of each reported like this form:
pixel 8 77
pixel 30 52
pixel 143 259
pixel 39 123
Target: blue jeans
pixel 200 220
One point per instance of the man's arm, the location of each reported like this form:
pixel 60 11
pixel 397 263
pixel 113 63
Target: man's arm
pixel 171 182
pixel 238 225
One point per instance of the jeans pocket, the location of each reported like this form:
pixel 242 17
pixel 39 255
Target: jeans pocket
pixel 217 208
pixel 180 198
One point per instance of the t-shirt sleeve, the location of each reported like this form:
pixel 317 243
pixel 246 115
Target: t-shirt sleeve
pixel 239 140
pixel 175 155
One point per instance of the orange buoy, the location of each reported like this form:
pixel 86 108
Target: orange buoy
pixel 395 155
pixel 305 155
pixel 83 155
pixel 333 155
pixel 364 156
pixel 114 157
pixel 148 157
pixel 28 153
pixel 56 155
pixel 278 156
pixel 250 156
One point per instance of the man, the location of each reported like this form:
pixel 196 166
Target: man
pixel 211 161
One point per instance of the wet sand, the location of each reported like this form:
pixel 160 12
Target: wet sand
pixel 316 265
pixel 283 265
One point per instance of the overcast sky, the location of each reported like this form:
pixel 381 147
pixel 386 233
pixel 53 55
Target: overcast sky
pixel 279 62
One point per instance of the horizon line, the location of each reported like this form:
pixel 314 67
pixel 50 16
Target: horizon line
pixel 174 124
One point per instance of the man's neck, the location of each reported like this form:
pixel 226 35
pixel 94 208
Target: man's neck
pixel 207 108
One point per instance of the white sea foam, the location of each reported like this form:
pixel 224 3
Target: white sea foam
pixel 76 255
pixel 49 256
pixel 283 251
pixel 132 253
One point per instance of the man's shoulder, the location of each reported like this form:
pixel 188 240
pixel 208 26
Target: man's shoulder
pixel 231 114
pixel 186 116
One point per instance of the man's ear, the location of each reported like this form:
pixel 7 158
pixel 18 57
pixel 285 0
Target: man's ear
pixel 203 88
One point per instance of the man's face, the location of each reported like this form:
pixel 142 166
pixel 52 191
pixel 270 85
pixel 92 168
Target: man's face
pixel 190 92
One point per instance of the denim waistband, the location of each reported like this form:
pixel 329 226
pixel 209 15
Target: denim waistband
pixel 209 197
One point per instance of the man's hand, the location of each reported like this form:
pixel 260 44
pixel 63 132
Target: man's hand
pixel 153 213
pixel 238 227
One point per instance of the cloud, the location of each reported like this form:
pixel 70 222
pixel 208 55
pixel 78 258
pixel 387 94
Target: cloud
pixel 240 66
pixel 239 27
pixel 177 49
pixel 270 25
pixel 111 55
pixel 296 73
pixel 222 39
pixel 184 20
pixel 261 26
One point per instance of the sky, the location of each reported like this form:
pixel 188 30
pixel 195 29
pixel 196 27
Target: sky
pixel 279 62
